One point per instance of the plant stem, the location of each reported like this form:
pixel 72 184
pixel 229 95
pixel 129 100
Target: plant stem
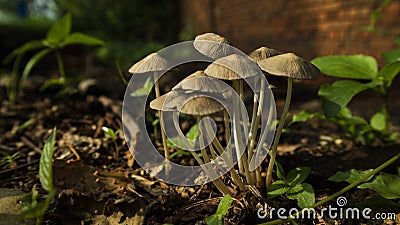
pixel 60 64
pixel 163 137
pixel 255 120
pixel 236 128
pixel 345 189
pixel 278 132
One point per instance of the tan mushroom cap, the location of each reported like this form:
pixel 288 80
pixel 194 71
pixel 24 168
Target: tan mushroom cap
pixel 199 81
pixel 212 45
pixel 239 67
pixel 198 105
pixel 263 53
pixel 152 62
pixel 289 65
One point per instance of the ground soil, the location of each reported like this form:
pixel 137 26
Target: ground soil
pixel 96 187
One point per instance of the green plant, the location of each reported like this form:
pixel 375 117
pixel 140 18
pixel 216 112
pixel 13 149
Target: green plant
pixel 192 135
pixel 113 135
pixel 32 208
pixel 293 186
pixel 356 178
pixel 10 159
pixel 58 37
pixel 355 128
pixel 386 185
pixel 218 217
pixel 145 90
pixel 365 74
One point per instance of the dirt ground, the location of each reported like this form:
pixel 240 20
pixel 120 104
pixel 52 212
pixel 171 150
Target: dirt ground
pixel 94 187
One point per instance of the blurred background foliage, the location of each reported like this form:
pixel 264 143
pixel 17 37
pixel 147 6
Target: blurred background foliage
pixel 130 28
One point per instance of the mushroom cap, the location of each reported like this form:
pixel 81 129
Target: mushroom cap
pixel 199 81
pixel 263 53
pixel 198 104
pixel 212 45
pixel 289 65
pixel 152 62
pixel 239 67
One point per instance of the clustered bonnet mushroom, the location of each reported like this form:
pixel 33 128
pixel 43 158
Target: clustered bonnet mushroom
pixel 293 67
pixel 228 66
pixel 191 93
pixel 154 63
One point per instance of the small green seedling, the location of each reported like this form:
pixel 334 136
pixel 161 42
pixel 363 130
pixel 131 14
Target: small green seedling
pixel 218 217
pixel 145 90
pixel 113 135
pixel 191 135
pixel 58 37
pixel 335 97
pixel 386 185
pixel 356 128
pixel 10 159
pixel 32 208
pixel 293 186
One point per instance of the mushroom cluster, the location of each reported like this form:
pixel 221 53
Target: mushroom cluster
pixel 198 95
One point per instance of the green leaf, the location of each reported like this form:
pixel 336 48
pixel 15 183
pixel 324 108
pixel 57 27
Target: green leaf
pixel 26 124
pixel 297 175
pixel 378 121
pixel 214 220
pixel 336 96
pixel 31 63
pixel 110 132
pixel 34 209
pixel 59 30
pixel 304 116
pixel 179 154
pixel 303 193
pixel 80 39
pixel 387 185
pixel 222 210
pixel 193 133
pixel 145 90
pixel 280 172
pixel 46 163
pixel 391 56
pixel 276 189
pixel 389 72
pixel 224 205
pixel 377 203
pixel 349 176
pixel 28 46
pixel 348 66
pixel 56 81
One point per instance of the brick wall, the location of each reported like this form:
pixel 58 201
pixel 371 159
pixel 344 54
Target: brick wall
pixel 310 28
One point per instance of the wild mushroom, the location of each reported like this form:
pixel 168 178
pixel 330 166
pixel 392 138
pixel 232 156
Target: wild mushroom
pixel 235 67
pixel 263 53
pixel 293 67
pixel 212 45
pixel 193 95
pixel 154 63
pixel 257 55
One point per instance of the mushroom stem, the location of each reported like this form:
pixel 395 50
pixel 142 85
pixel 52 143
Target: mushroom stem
pixel 163 137
pixel 237 132
pixel 227 127
pixel 218 182
pixel 236 117
pixel 278 132
pixel 255 120
pixel 228 160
